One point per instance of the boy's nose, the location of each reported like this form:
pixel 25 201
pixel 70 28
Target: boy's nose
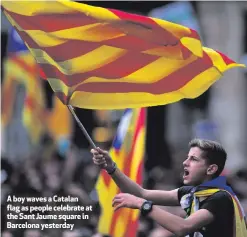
pixel 185 162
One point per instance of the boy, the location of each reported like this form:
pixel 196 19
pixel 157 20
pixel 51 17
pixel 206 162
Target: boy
pixel 209 203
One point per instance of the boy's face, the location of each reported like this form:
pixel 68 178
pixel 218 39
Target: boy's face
pixel 195 168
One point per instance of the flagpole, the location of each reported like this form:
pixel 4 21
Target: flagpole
pixel 81 126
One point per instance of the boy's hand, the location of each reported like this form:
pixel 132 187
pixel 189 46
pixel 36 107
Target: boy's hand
pixel 102 159
pixel 127 200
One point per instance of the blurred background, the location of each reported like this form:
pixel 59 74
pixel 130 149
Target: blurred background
pixel 44 152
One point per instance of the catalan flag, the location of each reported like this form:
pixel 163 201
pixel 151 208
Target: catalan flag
pixel 101 58
pixel 21 68
pixel 128 152
pixel 216 185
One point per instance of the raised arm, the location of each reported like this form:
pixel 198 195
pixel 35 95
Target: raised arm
pixel 103 160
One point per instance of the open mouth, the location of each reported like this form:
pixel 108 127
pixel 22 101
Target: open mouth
pixel 186 173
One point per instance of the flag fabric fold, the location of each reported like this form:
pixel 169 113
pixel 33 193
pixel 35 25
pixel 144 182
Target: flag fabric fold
pixel 128 152
pixel 101 58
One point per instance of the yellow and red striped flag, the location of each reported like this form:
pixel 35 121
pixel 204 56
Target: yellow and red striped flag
pixel 101 58
pixel 128 152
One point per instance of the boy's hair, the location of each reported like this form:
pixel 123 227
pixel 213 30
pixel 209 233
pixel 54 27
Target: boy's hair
pixel 213 152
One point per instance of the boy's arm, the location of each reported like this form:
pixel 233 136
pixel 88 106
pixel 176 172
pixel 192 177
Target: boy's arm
pixel 178 225
pixel 171 222
pixel 159 197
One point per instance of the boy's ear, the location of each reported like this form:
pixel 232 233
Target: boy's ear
pixel 212 169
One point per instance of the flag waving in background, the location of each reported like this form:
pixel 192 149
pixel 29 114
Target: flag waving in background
pixel 59 121
pixel 101 58
pixel 127 151
pixel 21 69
